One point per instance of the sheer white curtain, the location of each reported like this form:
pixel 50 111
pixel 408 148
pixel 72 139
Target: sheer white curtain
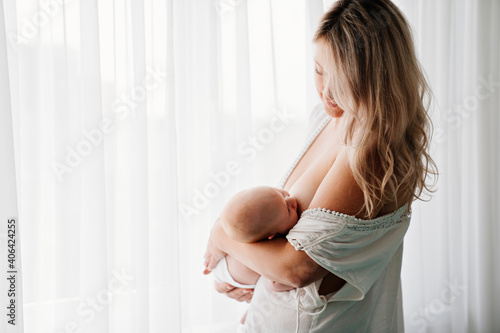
pixel 134 121
pixel 10 247
pixel 450 270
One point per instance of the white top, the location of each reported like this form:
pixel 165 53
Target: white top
pixel 365 253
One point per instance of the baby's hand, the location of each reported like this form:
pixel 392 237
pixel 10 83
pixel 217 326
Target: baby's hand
pixel 239 294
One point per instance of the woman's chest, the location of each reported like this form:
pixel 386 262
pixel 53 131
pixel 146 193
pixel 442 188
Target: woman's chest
pixel 313 166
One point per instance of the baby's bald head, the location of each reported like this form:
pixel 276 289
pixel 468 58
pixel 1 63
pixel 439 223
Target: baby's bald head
pixel 251 214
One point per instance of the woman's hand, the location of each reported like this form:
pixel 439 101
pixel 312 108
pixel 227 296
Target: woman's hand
pixel 239 294
pixel 213 254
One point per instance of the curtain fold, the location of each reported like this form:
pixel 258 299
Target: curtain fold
pixel 11 284
pixel 93 224
pixel 134 121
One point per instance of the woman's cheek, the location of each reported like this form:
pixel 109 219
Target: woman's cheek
pixel 319 85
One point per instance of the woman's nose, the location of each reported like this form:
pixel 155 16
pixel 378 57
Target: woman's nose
pixel 327 95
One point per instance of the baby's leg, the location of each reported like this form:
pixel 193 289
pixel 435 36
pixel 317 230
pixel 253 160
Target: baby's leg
pixel 241 273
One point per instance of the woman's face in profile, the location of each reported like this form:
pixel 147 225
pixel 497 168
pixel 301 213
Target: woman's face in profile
pixel 320 77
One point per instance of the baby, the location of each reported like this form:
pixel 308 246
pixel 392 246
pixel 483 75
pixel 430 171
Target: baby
pixel 252 215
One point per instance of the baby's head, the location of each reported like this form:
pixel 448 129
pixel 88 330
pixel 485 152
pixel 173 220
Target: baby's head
pixel 258 213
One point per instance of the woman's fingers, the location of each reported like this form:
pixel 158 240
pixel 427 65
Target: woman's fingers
pixel 213 254
pixel 246 296
pixel 223 287
pixel 214 260
pixel 205 263
pixel 208 262
pixel 211 262
pixel 239 294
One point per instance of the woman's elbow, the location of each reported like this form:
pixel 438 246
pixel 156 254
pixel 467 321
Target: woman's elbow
pixel 298 279
pixel 300 276
pixel 293 281
pixel 299 270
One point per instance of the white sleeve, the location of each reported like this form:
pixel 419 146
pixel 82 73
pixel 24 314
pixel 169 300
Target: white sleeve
pixel 353 249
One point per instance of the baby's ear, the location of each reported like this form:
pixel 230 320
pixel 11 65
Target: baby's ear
pixel 271 236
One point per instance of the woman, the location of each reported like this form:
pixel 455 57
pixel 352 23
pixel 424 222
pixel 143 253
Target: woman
pixel 365 161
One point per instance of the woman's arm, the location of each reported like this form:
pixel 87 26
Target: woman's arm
pixel 274 259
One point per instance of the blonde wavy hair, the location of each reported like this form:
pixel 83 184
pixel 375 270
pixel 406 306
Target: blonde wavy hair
pixel 375 77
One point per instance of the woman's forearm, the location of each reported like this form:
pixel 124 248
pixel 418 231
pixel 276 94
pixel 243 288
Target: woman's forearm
pixel 274 259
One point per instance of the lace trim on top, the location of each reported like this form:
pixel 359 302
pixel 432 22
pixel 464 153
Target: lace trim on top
pixel 334 224
pixel 357 224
